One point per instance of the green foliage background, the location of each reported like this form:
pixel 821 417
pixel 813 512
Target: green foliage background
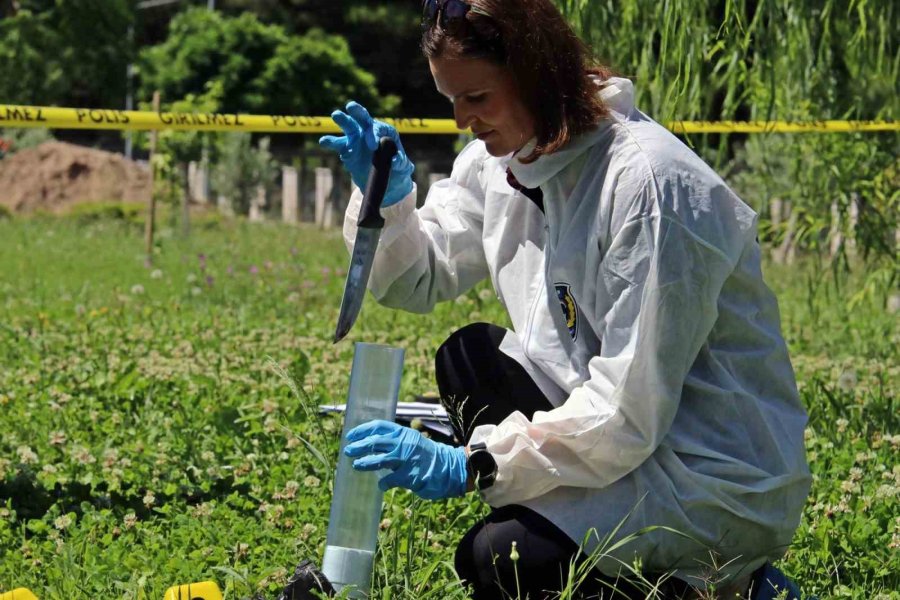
pixel 247 66
pixel 65 52
pixel 751 59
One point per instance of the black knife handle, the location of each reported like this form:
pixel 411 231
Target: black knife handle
pixel 376 186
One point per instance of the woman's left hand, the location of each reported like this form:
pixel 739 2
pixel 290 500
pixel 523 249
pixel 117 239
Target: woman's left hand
pixel 430 469
pixel 357 146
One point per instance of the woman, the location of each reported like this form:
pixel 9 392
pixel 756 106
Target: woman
pixel 645 382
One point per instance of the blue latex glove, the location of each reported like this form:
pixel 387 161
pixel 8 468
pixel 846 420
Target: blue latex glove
pixel 428 468
pixel 357 145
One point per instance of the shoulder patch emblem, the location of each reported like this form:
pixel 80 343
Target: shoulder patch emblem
pixel 569 308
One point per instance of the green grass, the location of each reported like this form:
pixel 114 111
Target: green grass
pixel 147 438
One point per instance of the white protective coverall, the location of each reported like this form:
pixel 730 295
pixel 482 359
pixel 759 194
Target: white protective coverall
pixel 638 306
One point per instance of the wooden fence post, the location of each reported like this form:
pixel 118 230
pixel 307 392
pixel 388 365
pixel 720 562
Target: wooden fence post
pixel 835 235
pixel 198 182
pixel 775 212
pixel 324 186
pixel 151 208
pixel 304 211
pixel 224 205
pixel 434 178
pixel 257 203
pixel 185 202
pixel 786 252
pixel 290 198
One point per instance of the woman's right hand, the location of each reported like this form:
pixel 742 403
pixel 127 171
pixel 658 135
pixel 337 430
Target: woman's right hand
pixel 356 147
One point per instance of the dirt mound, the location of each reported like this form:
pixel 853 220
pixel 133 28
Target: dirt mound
pixel 54 176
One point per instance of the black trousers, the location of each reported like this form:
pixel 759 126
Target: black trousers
pixel 479 384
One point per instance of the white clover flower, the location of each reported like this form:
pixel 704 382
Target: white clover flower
pixel 191 278
pixel 156 274
pixel 311 481
pixel 270 424
pixel 149 499
pixel 26 455
pixel 886 491
pixel 204 509
pixel 137 290
pixel 893 303
pixel 847 380
pixel 130 520
pixel 62 522
pixel 307 531
pixel 241 550
pixel 196 291
pixel 83 456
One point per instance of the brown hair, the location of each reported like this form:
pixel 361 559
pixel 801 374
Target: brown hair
pixel 551 66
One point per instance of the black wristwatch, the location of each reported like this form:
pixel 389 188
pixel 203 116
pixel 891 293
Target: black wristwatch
pixel 482 466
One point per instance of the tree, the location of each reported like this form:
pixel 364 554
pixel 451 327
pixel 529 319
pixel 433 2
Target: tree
pixel 779 59
pixel 255 68
pixel 774 60
pixel 45 57
pixel 383 36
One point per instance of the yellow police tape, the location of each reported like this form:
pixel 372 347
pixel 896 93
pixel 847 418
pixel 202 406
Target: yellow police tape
pixel 87 118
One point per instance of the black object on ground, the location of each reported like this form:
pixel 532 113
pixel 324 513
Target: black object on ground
pixel 307 583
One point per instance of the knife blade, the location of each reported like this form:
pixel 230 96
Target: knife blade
pixel 368 232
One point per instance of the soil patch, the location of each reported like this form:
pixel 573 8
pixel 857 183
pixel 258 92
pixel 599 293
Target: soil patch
pixel 55 176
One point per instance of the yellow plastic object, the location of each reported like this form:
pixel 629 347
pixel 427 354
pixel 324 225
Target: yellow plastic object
pixel 205 590
pixel 18 594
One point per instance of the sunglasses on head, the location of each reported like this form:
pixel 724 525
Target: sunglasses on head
pixel 447 12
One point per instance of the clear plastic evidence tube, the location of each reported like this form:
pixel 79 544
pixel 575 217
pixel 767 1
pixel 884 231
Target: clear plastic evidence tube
pixel 356 503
